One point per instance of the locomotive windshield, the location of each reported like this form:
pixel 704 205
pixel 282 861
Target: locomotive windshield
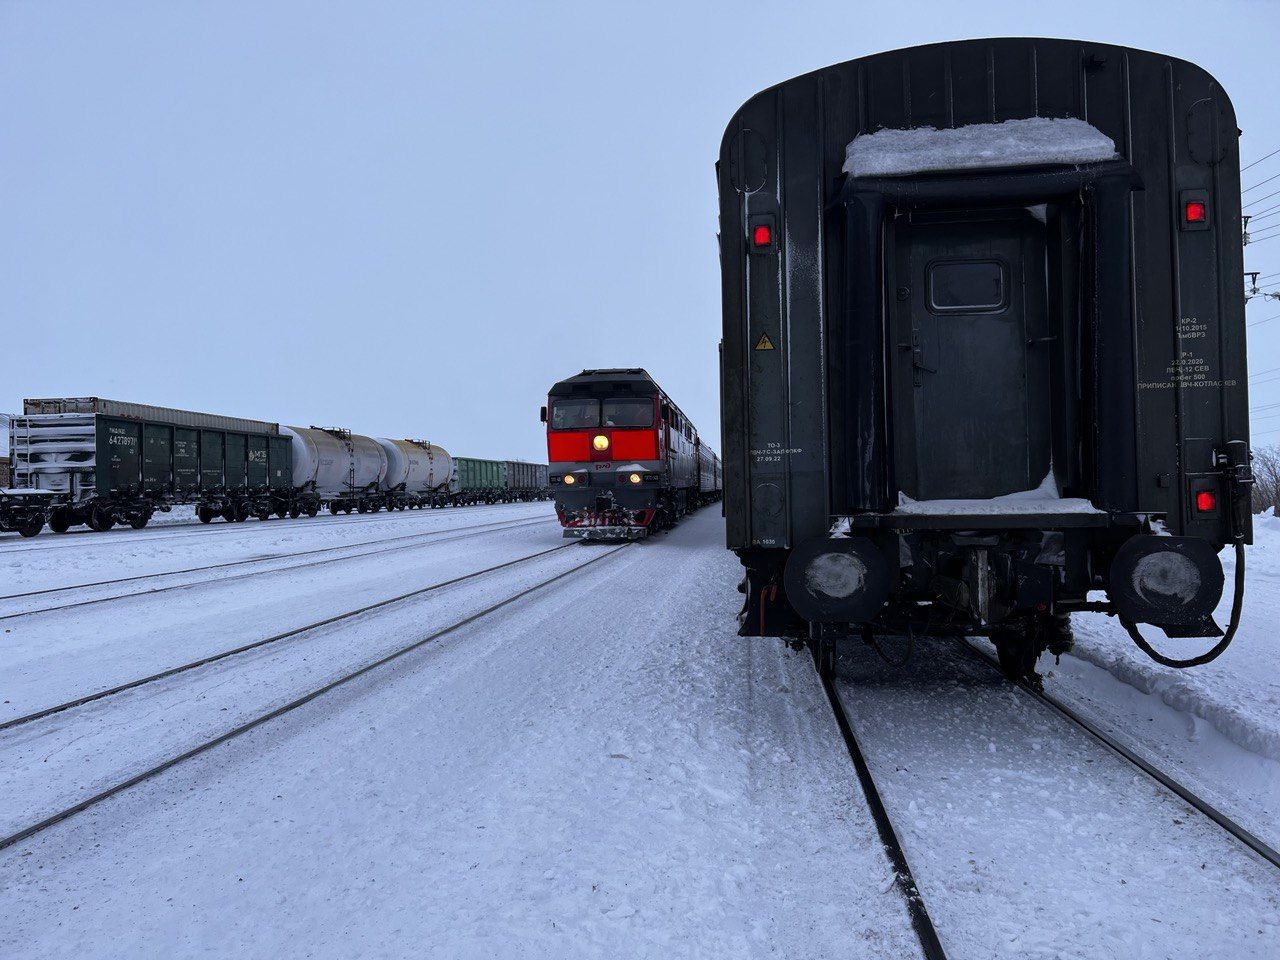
pixel 584 413
pixel 627 413
pixel 575 414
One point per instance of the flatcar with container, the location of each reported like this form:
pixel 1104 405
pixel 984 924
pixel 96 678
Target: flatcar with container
pixel 984 347
pixel 624 460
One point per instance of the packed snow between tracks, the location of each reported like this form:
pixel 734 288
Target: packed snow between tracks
pixel 600 770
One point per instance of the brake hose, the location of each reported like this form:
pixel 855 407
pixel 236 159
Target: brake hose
pixel 1237 606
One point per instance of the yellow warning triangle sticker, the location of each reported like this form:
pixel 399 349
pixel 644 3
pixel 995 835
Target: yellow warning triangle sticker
pixel 764 343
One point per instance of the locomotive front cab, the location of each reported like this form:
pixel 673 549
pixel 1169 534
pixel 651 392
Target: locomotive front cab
pixel 605 442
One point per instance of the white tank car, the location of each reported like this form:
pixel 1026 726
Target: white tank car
pixel 336 462
pixel 415 466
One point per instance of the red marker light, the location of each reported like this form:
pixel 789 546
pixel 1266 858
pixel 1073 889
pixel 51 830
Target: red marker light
pixel 762 235
pixel 1196 211
pixel 1206 501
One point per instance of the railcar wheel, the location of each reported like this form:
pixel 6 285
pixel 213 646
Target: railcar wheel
pixel 139 520
pixel 204 514
pixel 333 508
pixel 313 510
pixel 100 520
pixel 31 527
pixel 283 512
pixel 59 521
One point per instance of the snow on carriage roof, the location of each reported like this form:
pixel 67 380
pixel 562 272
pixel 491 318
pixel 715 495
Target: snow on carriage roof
pixel 1036 141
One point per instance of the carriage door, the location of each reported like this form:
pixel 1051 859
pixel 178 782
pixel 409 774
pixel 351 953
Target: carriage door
pixel 970 367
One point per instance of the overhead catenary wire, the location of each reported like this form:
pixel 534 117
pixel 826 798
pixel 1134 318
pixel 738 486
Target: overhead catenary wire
pixel 1259 160
pixel 1267 197
pixel 1274 176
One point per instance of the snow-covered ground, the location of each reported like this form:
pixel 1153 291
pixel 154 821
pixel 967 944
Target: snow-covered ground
pixel 1029 839
pixel 1216 727
pixel 600 769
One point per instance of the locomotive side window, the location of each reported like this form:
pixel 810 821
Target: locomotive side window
pixel 967 286
pixel 575 414
pixel 628 413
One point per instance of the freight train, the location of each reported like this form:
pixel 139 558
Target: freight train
pixel 104 462
pixel 624 460
pixel 984 347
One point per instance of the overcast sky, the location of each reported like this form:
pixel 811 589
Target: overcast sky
pixel 409 219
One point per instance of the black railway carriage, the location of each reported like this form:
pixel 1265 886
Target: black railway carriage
pixel 624 460
pixel 984 346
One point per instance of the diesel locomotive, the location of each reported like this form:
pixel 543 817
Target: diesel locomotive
pixel 984 348
pixel 623 460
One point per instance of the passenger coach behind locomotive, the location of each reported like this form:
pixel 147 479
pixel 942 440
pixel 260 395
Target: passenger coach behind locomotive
pixel 624 460
pixel 984 346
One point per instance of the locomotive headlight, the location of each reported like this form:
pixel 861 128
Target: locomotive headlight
pixel 635 478
pixel 570 479
pixel 600 442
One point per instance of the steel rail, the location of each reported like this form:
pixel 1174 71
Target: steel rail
pixel 904 879
pixel 1194 800
pixel 120 787
pixel 286 568
pixel 214 658
pixel 186 530
pixel 263 559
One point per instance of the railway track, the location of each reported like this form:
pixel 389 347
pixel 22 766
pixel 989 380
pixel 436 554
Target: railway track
pixel 125 535
pixel 905 764
pixel 381 547
pixel 1189 796
pixel 274 638
pixel 921 922
pixel 125 782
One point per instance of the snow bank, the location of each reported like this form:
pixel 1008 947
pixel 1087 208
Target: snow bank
pixel 1238 694
pixel 1036 141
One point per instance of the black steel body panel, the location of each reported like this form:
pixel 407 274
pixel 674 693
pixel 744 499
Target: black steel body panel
pixel 157 459
pixel 119 457
pixel 211 442
pixel 1156 381
pixel 235 448
pixel 256 465
pixel 186 461
pixel 280 463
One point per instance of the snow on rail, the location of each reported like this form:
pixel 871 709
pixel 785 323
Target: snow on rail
pixel 1034 142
